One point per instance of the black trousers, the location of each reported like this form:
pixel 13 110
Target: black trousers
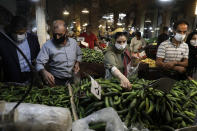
pixel 62 82
pixel 25 76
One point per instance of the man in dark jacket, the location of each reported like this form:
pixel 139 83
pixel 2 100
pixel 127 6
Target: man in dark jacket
pixel 14 66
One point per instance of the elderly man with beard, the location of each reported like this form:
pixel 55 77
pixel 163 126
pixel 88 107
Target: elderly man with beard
pixel 62 56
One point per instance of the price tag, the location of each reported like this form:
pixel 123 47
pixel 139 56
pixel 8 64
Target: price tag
pixel 95 88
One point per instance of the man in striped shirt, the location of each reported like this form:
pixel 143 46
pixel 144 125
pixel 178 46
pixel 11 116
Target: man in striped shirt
pixel 173 54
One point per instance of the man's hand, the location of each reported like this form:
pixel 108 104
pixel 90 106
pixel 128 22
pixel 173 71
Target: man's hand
pixel 76 68
pixel 48 78
pixel 170 65
pixel 180 69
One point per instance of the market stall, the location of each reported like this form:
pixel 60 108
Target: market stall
pixel 92 63
pixel 143 105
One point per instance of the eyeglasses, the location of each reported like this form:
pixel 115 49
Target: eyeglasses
pixel 119 42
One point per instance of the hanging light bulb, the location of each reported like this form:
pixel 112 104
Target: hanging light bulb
pixel 35 0
pixel 148 21
pixel 85 11
pixel 119 24
pixel 165 0
pixel 66 12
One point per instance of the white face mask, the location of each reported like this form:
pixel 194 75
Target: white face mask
pixel 21 38
pixel 120 47
pixel 193 42
pixel 179 37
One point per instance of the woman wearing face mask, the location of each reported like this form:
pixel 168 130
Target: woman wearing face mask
pixel 117 58
pixel 192 65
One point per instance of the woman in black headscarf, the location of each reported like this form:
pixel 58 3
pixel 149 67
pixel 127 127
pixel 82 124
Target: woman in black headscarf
pixel 192 64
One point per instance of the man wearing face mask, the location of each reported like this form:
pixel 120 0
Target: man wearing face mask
pixel 15 68
pixel 137 43
pixel 117 60
pixel 173 54
pixel 62 55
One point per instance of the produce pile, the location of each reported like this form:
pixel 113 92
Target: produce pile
pixel 148 107
pixel 143 105
pixel 151 40
pixel 57 96
pixel 150 62
pixel 92 56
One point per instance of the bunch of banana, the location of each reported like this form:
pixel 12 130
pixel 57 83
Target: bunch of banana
pixel 150 62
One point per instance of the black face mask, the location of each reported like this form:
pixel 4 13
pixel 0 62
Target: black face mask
pixel 60 40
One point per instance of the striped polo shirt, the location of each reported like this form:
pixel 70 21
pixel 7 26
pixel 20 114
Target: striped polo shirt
pixel 171 52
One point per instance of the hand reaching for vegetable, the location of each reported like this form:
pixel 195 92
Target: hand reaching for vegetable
pixel 48 78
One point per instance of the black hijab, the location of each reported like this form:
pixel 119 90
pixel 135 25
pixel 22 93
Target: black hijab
pixel 192 64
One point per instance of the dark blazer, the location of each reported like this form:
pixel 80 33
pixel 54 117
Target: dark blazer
pixel 10 61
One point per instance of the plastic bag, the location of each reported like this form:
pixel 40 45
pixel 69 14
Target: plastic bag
pixel 108 115
pixel 137 127
pixel 35 117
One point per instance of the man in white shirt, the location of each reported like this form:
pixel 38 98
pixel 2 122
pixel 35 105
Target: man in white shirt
pixel 173 54
pixel 137 43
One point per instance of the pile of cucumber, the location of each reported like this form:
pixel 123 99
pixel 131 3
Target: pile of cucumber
pixel 92 56
pixel 56 96
pixel 151 108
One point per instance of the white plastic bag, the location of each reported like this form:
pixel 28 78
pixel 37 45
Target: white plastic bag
pixel 107 115
pixel 35 117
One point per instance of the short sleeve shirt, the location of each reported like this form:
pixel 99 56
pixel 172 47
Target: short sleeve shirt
pixel 169 52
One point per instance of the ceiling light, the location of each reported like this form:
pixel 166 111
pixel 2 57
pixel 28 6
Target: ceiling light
pixel 66 12
pixel 85 24
pixel 119 24
pixel 35 0
pixel 122 15
pixel 148 21
pixel 165 0
pixel 85 11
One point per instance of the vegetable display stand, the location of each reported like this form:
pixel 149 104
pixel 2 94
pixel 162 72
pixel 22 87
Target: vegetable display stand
pixel 96 70
pixel 148 73
pixel 153 73
pixel 149 107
